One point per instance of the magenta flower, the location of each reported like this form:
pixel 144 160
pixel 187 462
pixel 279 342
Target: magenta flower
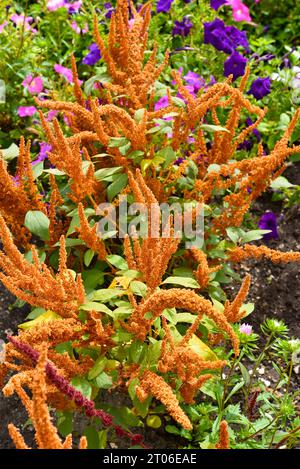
pixel 26 111
pixel 34 85
pixel 260 87
pixel 51 114
pixel 77 28
pixel 246 329
pixel 240 11
pixel 2 26
pixel 74 7
pixel 53 5
pixel 161 103
pixel 19 20
pixel 268 221
pixel 235 65
pixel 194 80
pixel 66 72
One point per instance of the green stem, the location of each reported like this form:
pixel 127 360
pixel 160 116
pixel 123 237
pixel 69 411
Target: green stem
pixel 258 362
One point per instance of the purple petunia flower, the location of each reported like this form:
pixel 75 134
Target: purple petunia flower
pixel 260 87
pixel 163 6
pixel 268 221
pixel 224 38
pixel 235 65
pixel 216 4
pixel 93 56
pixel 254 131
pixel 245 145
pixel 237 37
pixel 34 85
pixel 109 10
pixel 182 28
pixel 215 34
pixel 26 111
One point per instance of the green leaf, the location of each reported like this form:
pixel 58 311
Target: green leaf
pixel 281 183
pixel 253 235
pixel 245 374
pixel 213 128
pixel 104 174
pixel 183 281
pixel 82 385
pixel 117 186
pixel 92 437
pixel 38 224
pixel 138 288
pixel 235 389
pixel 116 142
pixel 11 152
pixel 106 294
pixel 117 261
pixel 92 305
pixel 102 439
pixel 98 367
pixel 139 114
pixel 104 381
pixel 65 423
pixel 88 257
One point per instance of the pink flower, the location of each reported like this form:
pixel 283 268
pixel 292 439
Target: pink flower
pixel 2 26
pixel 34 85
pixel 77 29
pixel 53 5
pixel 66 72
pixel 240 11
pixel 51 115
pixel 19 20
pixel 161 103
pixel 246 329
pixel 26 111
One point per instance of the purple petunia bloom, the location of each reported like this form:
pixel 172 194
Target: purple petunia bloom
pixel 109 10
pixel 216 4
pixel 268 221
pixel 235 65
pixel 260 87
pixel 26 111
pixel 245 145
pixel 237 37
pixel 254 131
pixel 224 38
pixel 182 28
pixel 93 56
pixel 215 34
pixel 163 6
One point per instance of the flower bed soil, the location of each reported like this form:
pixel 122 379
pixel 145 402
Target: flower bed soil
pixel 275 290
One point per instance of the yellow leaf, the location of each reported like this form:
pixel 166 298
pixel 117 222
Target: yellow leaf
pixel 45 317
pixel 120 282
pixel 201 349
